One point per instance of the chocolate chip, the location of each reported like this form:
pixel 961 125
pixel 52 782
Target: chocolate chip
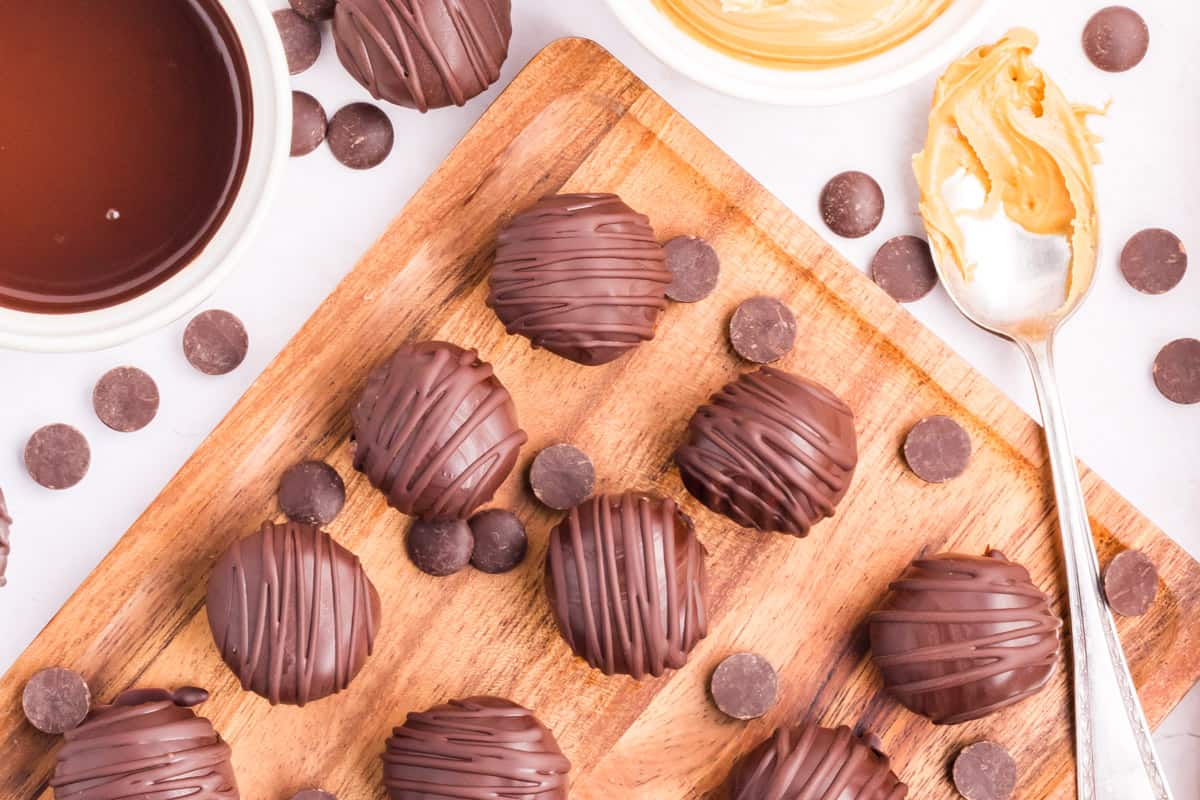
pixel 562 476
pixel 985 771
pixel 1130 583
pixel 500 541
pixel 215 342
pixel 188 696
pixel 1153 261
pixel 315 10
pixel 125 399
pixel 762 330
pixel 311 492
pixel 1116 39
pixel 744 686
pixel 694 268
pixel 1177 371
pixel 852 204
pixel 903 268
pixel 440 547
pixel 313 794
pixel 937 449
pixel 361 136
pixel 308 124
pixel 301 40
pixel 56 700
pixel 57 456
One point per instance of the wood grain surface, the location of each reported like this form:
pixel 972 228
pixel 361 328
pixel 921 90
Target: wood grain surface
pixel 576 119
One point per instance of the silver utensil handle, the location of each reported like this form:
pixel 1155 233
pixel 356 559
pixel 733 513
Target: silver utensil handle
pixel 1114 752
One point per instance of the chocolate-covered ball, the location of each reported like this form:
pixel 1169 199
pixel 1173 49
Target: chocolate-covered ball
pixel 136 749
pixel 809 761
pixel 436 431
pixel 959 636
pixel 582 275
pixel 627 583
pixel 423 53
pixel 480 747
pixel 771 451
pixel 292 612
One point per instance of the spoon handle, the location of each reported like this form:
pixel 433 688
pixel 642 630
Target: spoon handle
pixel 1114 752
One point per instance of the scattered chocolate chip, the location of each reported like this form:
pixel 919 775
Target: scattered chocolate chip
pixel 1177 371
pixel 852 204
pixel 308 124
pixel 188 696
pixel 5 538
pixel 315 10
pixel 937 449
pixel 562 476
pixel 361 136
pixel 57 456
pixel 1116 39
pixel 301 40
pixel 313 794
pixel 56 700
pixel 440 547
pixel 985 771
pixel 903 268
pixel 762 330
pixel 744 686
pixel 125 399
pixel 1130 583
pixel 215 342
pixel 694 268
pixel 1153 261
pixel 311 492
pixel 500 541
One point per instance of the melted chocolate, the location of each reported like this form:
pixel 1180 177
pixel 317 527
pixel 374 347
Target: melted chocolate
pixel 474 749
pixel 132 750
pixel 626 579
pixel 962 636
pixel 809 762
pixel 423 53
pixel 126 138
pixel 292 612
pixel 771 451
pixel 581 275
pixel 436 431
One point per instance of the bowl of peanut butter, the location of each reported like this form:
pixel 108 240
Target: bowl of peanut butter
pixel 804 52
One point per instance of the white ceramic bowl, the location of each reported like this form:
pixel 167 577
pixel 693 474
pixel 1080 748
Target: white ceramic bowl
pixel 270 145
pixel 948 37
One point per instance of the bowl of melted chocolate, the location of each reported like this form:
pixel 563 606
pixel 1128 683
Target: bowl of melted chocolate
pixel 142 141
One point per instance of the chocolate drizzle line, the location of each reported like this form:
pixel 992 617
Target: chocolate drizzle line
pixel 771 451
pixel 436 431
pixel 962 636
pixel 809 762
pixel 481 748
pixel 397 48
pixel 5 538
pixel 627 582
pixel 292 612
pixel 131 752
pixel 581 275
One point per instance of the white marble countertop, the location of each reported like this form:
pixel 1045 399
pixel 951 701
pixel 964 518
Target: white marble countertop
pixel 326 216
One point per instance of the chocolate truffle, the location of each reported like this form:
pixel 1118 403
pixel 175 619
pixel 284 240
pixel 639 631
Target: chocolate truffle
pixel 292 612
pixel 771 451
pixel 474 748
pixel 423 53
pixel 959 636
pixel 436 431
pixel 581 275
pixel 626 579
pixel 133 750
pixel 809 761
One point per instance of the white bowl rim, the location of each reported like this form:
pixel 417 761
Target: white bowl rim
pixel 947 38
pixel 270 147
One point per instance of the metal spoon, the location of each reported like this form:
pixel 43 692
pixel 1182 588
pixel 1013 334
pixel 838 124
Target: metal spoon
pixel 1018 291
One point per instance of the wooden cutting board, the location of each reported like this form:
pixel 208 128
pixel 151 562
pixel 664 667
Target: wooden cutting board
pixel 576 119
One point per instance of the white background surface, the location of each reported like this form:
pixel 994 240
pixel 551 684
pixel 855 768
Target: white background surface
pixel 326 216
